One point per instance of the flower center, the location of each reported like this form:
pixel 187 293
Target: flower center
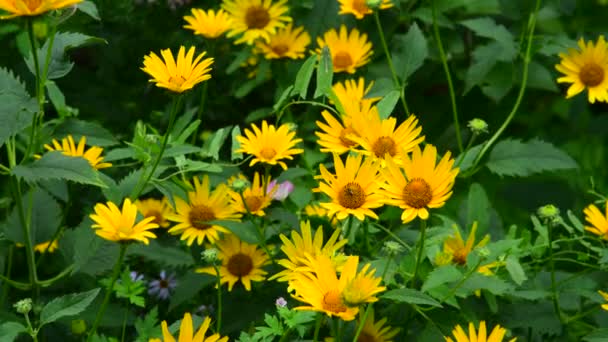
pixel 254 203
pixel 384 145
pixel 351 196
pixel 178 81
pixel 240 265
pixel 460 256
pixel 365 337
pixel 199 214
pixel 417 193
pixel 33 4
pixel 360 6
pixel 591 74
pixel 268 153
pixel 163 284
pixel 332 302
pixel 342 60
pixel 158 217
pixel 345 141
pixel 280 49
pixel 257 17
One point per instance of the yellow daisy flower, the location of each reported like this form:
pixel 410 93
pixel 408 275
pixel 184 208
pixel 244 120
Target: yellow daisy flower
pixel 314 209
pixel 335 136
pixel 605 296
pixel 363 288
pixel 359 8
pixel 598 221
pixel 256 197
pixel 209 24
pixel 352 95
pixel 19 8
pixel 181 75
pixel 115 225
pixel 240 262
pixel 43 247
pixel 256 18
pixel 375 331
pixel 269 145
pixel 353 190
pixel 186 332
pixel 69 148
pixel 159 209
pixel 302 245
pixel 424 185
pixel 203 206
pixel 349 51
pixel 455 250
pixel 286 43
pixel 497 334
pixel 586 68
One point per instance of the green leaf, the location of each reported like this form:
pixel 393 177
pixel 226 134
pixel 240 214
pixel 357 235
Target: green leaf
pixel 387 104
pixel 147 327
pixel 89 8
pixel 514 158
pixel 598 335
pixel 468 157
pixel 58 100
pixel 189 286
pixel 65 306
pixel 441 276
pixel 199 166
pixel 540 77
pixel 412 50
pixel 493 284
pixel 303 77
pixel 478 208
pixel 56 165
pixel 325 73
pixel 17 107
pixel 164 255
pixel 94 133
pixel 259 114
pixel 411 296
pixel 515 270
pixel 246 231
pixel 212 146
pixel 236 131
pixel 284 96
pixel 44 220
pixel 10 330
pixel 487 28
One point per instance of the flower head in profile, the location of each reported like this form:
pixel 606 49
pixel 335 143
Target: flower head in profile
pixel 19 8
pixel 587 68
pixel 456 250
pixel 117 225
pixel 69 148
pixel 605 296
pixel 162 287
pixel 256 19
pixel 159 209
pixel 240 262
pixel 253 199
pixel 598 221
pixel 287 42
pixel 209 24
pixel 181 75
pixel 359 8
pixel 43 247
pixel 497 334
pixel 186 332
pixel 352 95
pixel 349 50
pixel 269 145
pixel 420 183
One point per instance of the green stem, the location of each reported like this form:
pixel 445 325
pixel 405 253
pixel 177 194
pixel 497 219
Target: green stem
pixel 258 228
pixel 313 103
pixel 218 325
pixel 420 250
pixel 390 63
pixel 555 295
pixel 446 69
pixel 39 87
pixel 27 235
pixel 459 284
pixel 285 335
pixel 51 281
pixel 394 236
pixel 124 323
pixel 9 266
pixel 109 290
pixel 362 323
pixel 201 109
pixel 315 337
pixel 16 284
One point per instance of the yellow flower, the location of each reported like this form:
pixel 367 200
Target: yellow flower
pixel 202 207
pixel 159 209
pixel 352 95
pixel 359 8
pixel 43 247
pixel 586 68
pixel 181 75
pixel 349 51
pixel 19 8
pixel 209 24
pixel 69 148
pixel 314 209
pixel 497 334
pixel 424 185
pixel 286 43
pixel 256 18
pixel 353 190
pixel 186 332
pixel 605 296
pixel 256 197
pixel 302 245
pixel 115 225
pixel 269 145
pixel 598 221
pixel 456 250
pixel 240 262
pixel 376 331
pixel 363 287
pixel 335 136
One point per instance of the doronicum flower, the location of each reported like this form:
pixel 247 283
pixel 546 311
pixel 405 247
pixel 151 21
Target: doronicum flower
pixel 186 332
pixel 288 42
pixel 115 225
pixel 181 75
pixel 269 145
pixel 352 95
pixel 587 68
pixel 256 19
pixel 598 221
pixel 497 334
pixel 69 148
pixel 19 8
pixel 240 262
pixel 349 51
pixel 360 8
pixel 420 183
pixel 253 199
pixel 209 24
pixel 159 209
pixel 456 250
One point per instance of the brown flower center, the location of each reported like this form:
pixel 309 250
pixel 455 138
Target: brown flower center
pixel 199 214
pixel 257 17
pixel 268 153
pixel 240 265
pixel 280 49
pixel 178 81
pixel 33 4
pixel 360 6
pixel 342 60
pixel 351 196
pixel 163 284
pixel 333 303
pixel 417 193
pixel 365 337
pixel 346 141
pixel 254 203
pixel 384 145
pixel 591 74
pixel 460 256
pixel 158 217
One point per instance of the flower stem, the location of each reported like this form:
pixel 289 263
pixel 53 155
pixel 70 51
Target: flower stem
pixel 317 327
pixel 201 109
pixel 39 87
pixel 420 250
pixel 555 295
pixel 218 325
pixel 124 323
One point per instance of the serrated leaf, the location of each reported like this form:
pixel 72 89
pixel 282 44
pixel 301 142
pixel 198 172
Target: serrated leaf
pixel 303 77
pixel 412 50
pixel 441 276
pixel 246 231
pixel 95 134
pixel 89 8
pixel 325 73
pixel 66 306
pixel 492 284
pixel 387 104
pixel 10 330
pixel 515 158
pixel 17 107
pixel 411 296
pixel 56 165
pixel 163 255
pixel 147 327
pixel 44 220
pixel 487 28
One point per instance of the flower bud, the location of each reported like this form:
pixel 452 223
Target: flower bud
pixel 239 185
pixel 23 306
pixel 281 302
pixel 281 190
pixel 549 213
pixel 392 247
pixel 373 4
pixel 478 126
pixel 210 255
pixel 79 327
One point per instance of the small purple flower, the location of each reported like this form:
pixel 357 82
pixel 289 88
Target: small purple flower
pixel 135 277
pixel 281 302
pixel 161 288
pixel 282 189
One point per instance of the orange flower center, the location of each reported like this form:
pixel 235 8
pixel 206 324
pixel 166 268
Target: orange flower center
pixel 591 74
pixel 332 302
pixel 417 193
pixel 384 145
pixel 344 140
pixel 257 17
pixel 33 4
pixel 177 81
pixel 342 60
pixel 240 265
pixel 365 337
pixel 199 214
pixel 460 256
pixel 158 216
pixel 351 196
pixel 254 203
pixel 360 6
pixel 280 49
pixel 268 153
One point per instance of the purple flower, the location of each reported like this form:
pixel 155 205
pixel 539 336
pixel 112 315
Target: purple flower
pixel 281 302
pixel 282 189
pixel 135 277
pixel 161 288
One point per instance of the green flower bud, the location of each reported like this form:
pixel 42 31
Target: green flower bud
pixel 478 126
pixel 392 247
pixel 23 306
pixel 239 185
pixel 373 4
pixel 549 213
pixel 79 327
pixel 210 255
